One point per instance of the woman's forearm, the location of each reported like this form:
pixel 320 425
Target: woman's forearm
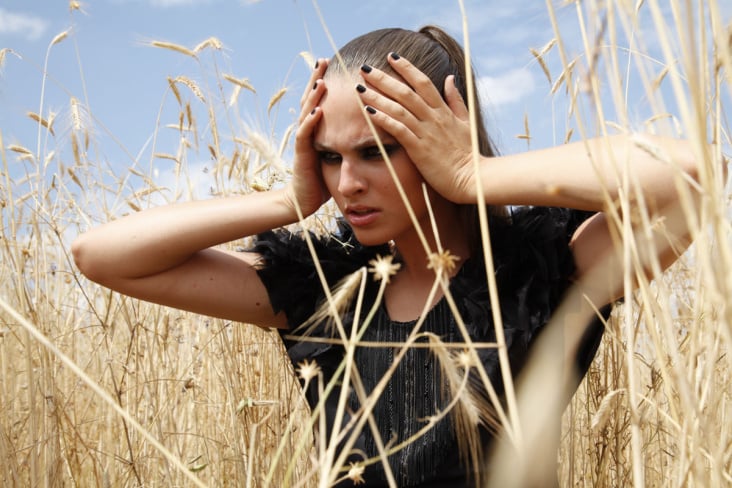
pixel 161 238
pixel 584 175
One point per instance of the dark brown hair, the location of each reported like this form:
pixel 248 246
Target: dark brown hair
pixel 437 55
pixel 430 49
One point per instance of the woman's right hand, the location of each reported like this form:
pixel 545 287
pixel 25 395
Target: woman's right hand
pixel 306 188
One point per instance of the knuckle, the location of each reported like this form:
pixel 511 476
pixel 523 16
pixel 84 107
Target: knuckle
pixel 403 91
pixel 301 137
pixel 402 113
pixel 400 132
pixel 422 83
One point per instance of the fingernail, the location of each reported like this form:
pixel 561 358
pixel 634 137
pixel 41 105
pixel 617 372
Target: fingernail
pixel 360 88
pixel 370 109
pixel 315 85
pixel 366 68
pixel 395 56
pixel 317 63
pixel 313 111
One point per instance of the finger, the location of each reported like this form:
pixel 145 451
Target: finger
pixel 415 78
pixel 306 130
pixel 455 99
pixel 306 169
pixel 312 99
pixel 397 90
pixel 389 107
pixel 389 124
pixel 318 71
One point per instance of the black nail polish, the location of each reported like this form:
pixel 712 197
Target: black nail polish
pixel 360 88
pixel 366 68
pixel 315 85
pixel 395 56
pixel 313 111
pixel 370 109
pixel 317 63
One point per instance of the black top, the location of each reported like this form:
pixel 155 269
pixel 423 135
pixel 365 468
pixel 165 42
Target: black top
pixel 533 267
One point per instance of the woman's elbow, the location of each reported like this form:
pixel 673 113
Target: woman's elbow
pixel 83 252
pixel 688 159
pixel 695 159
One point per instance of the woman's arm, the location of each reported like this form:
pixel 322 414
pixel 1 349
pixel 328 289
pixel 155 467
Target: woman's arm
pixel 586 175
pixel 582 175
pixel 167 255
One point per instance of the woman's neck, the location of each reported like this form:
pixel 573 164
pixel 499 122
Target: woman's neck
pixel 412 290
pixel 419 263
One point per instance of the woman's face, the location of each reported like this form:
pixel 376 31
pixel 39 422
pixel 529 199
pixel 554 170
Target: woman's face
pixel 356 174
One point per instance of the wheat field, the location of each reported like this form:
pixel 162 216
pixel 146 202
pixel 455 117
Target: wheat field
pixel 98 389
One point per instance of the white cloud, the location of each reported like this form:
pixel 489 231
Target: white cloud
pixel 18 24
pixel 510 87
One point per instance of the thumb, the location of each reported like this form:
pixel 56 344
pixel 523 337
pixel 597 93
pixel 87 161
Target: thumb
pixel 454 99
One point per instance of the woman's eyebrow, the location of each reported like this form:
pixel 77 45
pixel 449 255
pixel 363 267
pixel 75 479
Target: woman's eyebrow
pixel 321 147
pixel 365 143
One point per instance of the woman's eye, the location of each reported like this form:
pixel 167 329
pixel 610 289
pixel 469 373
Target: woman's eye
pixel 375 152
pixel 329 158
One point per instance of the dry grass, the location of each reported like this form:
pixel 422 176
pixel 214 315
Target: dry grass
pixel 218 402
pixel 216 397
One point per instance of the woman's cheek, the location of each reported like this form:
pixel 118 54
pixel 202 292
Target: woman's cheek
pixel 330 178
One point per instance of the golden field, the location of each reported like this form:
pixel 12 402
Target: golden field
pixel 98 389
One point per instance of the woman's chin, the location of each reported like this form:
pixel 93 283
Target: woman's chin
pixel 370 238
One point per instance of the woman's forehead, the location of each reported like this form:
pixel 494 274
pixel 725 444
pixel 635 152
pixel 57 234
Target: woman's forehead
pixel 340 93
pixel 343 123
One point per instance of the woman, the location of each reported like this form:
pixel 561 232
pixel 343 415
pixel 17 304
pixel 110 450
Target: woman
pixel 404 90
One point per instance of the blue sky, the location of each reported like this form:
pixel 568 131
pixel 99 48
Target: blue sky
pixel 107 63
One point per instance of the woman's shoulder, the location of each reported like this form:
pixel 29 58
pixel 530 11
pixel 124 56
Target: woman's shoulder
pixel 337 251
pixel 532 223
pixel 533 235
pixel 287 266
pixel 532 261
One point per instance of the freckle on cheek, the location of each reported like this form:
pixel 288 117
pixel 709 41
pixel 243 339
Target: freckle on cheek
pixel 258 304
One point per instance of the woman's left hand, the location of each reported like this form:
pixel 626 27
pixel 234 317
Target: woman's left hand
pixel 434 132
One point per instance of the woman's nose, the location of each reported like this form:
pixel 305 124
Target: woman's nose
pixel 351 180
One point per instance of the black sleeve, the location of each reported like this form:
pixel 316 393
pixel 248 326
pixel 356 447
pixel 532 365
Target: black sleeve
pixel 535 265
pixel 547 256
pixel 533 260
pixel 288 272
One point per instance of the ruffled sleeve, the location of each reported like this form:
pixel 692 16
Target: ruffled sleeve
pixel 288 272
pixel 534 267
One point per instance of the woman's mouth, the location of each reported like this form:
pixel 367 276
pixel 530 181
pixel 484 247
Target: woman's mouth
pixel 361 216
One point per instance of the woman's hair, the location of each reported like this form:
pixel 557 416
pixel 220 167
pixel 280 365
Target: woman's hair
pixel 436 54
pixel 430 49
